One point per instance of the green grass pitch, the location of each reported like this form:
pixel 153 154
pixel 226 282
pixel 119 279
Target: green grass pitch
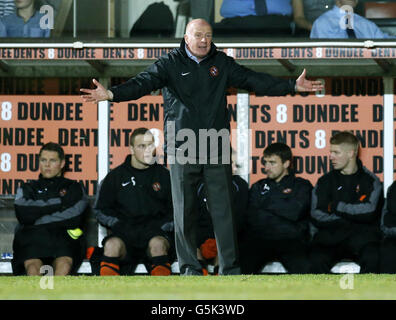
pixel 244 287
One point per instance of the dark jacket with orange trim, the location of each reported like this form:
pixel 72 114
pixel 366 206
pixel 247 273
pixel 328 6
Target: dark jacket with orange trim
pixel 130 196
pixel 345 205
pixel 195 94
pixel 280 210
pixel 56 203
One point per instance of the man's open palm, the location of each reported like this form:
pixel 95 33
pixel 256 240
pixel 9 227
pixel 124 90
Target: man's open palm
pixel 96 95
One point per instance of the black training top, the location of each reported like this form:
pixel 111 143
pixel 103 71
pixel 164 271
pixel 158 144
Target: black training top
pixel 134 196
pixel 55 202
pixel 195 94
pixel 345 205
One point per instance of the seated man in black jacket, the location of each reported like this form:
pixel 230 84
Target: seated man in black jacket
pixel 134 201
pixel 278 215
pixel 346 204
pixel 207 247
pixel 50 212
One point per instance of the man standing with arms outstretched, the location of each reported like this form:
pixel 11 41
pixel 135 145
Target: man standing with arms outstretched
pixel 194 78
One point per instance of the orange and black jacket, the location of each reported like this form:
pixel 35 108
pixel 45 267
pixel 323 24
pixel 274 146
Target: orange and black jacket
pixel 280 210
pixel 134 196
pixel 195 94
pixel 56 202
pixel 346 205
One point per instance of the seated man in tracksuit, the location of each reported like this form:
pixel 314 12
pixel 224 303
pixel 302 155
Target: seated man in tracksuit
pixel 346 204
pixel 388 227
pixel 51 213
pixel 134 201
pixel 278 215
pixel 207 248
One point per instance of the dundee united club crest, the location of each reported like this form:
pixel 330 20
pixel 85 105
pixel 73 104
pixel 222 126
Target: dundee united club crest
pixel 214 72
pixel 156 186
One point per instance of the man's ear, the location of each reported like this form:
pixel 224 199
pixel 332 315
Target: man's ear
pixel 286 164
pixel 131 150
pixel 63 162
pixel 352 153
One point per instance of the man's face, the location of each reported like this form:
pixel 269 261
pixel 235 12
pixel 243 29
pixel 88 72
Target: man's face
pixel 50 164
pixel 143 149
pixel 22 4
pixel 275 168
pixel 340 155
pixel 198 38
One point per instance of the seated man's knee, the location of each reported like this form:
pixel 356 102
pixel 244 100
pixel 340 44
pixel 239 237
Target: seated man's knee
pixel 158 246
pixel 32 267
pixel 63 265
pixel 114 247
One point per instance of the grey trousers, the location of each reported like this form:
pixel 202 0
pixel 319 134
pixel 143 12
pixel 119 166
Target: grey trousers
pixel 217 178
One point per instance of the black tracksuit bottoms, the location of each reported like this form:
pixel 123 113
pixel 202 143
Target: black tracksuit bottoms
pixel 365 254
pixel 256 252
pixel 388 256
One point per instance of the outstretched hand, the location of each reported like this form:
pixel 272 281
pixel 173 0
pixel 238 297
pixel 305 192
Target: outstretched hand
pixel 302 84
pixel 96 95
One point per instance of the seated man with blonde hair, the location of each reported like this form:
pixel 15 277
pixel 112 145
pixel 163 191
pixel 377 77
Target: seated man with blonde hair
pixel 346 205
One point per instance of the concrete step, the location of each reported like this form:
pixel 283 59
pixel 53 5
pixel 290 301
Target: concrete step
pixel 271 267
